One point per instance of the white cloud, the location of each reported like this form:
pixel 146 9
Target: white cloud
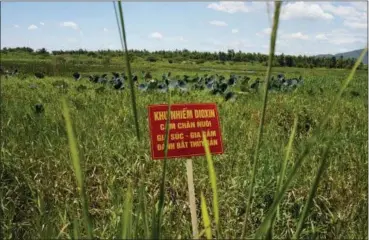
pixel 346 40
pixel 354 15
pixel 42 23
pixel 342 11
pixel 235 30
pixel 229 7
pixel 305 10
pixel 342 37
pixel 32 27
pixel 321 36
pixel 260 5
pixel 218 23
pixel 362 6
pixel 105 30
pixel 355 24
pixel 72 25
pixel 297 35
pixel 16 26
pixel 156 35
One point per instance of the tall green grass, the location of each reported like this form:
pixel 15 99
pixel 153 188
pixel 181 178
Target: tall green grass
pixel 283 172
pixel 128 67
pixel 213 183
pixel 313 189
pixel 267 225
pixel 77 168
pixel 126 218
pixel 307 147
pixel 158 219
pixel 206 218
pixel 129 220
pixel 143 213
pixel 273 40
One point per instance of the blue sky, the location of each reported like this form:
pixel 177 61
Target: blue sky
pixel 305 27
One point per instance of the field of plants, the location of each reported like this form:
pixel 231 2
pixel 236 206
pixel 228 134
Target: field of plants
pixel 101 180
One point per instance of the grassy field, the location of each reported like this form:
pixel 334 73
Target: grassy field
pixel 38 187
pixel 39 194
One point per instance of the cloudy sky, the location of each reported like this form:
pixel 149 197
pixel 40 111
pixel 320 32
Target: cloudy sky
pixel 305 27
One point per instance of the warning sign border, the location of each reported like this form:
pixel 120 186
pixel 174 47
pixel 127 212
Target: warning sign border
pixel 187 155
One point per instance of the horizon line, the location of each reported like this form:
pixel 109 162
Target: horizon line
pixel 173 50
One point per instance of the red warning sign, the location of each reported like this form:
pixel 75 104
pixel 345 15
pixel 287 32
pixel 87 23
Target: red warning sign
pixel 187 122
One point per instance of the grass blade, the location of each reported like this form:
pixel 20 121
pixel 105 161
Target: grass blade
pixel 307 148
pixel 314 187
pixel 313 231
pixel 128 66
pixel 154 221
pixel 77 167
pixel 143 212
pixel 200 234
pixel 282 173
pixel 72 146
pixel 119 27
pixel 192 197
pixel 288 153
pixel 75 230
pixel 157 222
pixel 127 215
pixel 205 217
pixel 213 181
pixel 261 126
pixel 268 12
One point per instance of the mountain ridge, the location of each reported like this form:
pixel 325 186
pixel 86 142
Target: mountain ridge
pixel 351 54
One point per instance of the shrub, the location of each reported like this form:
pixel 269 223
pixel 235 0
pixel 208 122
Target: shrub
pixel 106 61
pixel 151 59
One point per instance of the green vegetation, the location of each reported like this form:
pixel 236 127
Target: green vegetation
pixel 35 157
pixel 78 169
pixel 181 57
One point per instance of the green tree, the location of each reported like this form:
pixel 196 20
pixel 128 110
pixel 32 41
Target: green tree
pixel 281 60
pixel 290 61
pixel 230 55
pixel 333 62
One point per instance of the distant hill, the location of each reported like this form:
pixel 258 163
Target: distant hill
pixel 352 54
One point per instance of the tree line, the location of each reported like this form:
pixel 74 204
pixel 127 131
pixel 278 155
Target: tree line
pixel 300 61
